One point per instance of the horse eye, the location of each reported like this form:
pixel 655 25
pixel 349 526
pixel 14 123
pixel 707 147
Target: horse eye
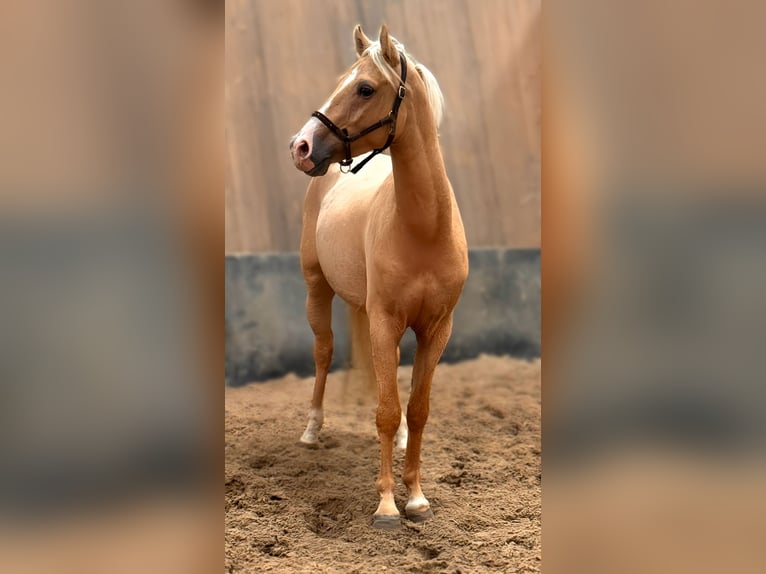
pixel 365 91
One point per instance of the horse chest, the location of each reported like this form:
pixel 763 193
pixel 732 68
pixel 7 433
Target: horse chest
pixel 418 284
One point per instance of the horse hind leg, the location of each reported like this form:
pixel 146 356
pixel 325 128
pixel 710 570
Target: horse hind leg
pixel 400 439
pixel 402 434
pixel 319 314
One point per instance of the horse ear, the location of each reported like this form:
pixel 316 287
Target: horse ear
pixel 387 47
pixel 360 40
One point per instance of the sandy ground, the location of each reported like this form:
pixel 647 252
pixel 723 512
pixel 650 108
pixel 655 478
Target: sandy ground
pixel 292 509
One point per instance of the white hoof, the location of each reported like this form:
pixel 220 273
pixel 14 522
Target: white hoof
pixel 418 509
pixel 417 503
pixel 309 438
pixel 311 434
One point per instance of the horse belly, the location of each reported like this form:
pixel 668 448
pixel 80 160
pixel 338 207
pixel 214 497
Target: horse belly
pixel 340 247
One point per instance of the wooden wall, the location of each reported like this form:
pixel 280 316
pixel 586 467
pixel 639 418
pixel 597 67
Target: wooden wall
pixel 283 58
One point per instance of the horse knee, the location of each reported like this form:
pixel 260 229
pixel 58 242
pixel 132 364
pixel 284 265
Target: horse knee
pixel 319 318
pixel 416 424
pixel 319 309
pixel 388 417
pixel 417 415
pixel 323 348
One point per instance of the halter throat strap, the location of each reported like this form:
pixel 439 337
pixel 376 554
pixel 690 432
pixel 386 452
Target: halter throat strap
pixel 390 120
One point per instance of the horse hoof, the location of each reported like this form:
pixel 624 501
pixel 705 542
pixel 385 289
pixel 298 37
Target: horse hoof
pixel 419 515
pixel 309 443
pixel 383 522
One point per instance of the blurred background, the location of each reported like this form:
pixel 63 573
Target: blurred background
pixel 653 270
pixel 111 232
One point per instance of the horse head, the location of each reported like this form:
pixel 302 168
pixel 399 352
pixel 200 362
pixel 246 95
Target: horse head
pixel 362 114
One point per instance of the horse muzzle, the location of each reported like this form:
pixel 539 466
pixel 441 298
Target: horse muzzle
pixel 308 157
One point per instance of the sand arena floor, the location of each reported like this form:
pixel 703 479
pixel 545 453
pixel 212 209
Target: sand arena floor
pixel 292 509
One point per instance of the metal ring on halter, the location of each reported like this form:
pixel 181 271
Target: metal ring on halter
pixel 342 134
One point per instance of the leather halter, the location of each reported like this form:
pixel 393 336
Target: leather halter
pixel 390 119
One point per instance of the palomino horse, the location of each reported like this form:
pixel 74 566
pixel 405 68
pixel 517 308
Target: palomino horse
pixel 389 241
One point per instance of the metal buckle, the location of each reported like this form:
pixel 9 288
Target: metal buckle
pixel 402 91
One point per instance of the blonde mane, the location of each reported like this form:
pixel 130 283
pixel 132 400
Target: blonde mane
pixel 433 92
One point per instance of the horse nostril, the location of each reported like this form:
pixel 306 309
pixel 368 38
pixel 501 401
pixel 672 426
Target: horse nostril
pixel 303 149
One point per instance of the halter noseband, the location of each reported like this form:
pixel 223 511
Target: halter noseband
pixel 342 134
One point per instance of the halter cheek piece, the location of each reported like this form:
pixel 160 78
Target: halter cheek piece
pixel 390 119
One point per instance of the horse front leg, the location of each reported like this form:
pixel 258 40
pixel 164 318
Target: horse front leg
pixel 319 314
pixel 385 333
pixel 430 347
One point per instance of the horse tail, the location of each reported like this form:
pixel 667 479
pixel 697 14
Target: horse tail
pixel 361 375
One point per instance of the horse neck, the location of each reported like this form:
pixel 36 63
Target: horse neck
pixel 422 190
